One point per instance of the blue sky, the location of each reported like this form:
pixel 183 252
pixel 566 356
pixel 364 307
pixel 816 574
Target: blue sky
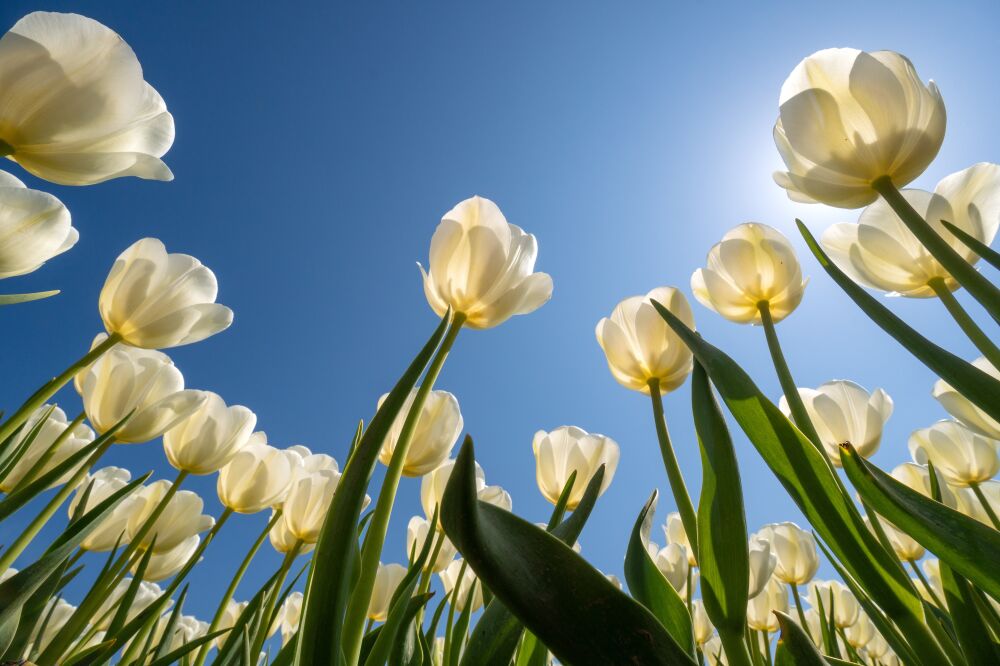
pixel 318 146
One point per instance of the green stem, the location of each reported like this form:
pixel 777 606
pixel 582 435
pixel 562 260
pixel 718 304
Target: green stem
pixel 267 617
pixel 39 466
pixel 798 607
pixel 964 273
pixel 927 586
pixel 982 500
pixel 456 589
pixel 677 487
pixel 220 611
pixel 965 322
pixel 50 388
pixel 371 550
pixel 36 525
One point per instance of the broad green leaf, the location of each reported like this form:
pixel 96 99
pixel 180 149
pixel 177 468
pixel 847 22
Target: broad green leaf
pixel 570 606
pixel 331 576
pixel 794 646
pixel 13 299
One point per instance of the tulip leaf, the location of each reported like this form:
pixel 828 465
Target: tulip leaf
pixel 331 572
pixel 970 629
pixel 971 548
pixel 9 459
pixel 174 656
pixel 13 299
pixel 988 254
pixel 650 588
pixel 570 606
pixel 979 387
pixel 809 480
pixel 794 646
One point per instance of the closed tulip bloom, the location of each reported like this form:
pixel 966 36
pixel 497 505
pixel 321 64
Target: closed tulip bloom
pixel 111 531
pixel 34 227
pixel 229 617
pixel 437 429
pixel 284 541
pixel 208 439
pixel 51 428
pixel 641 347
pixel 307 462
pixel 307 503
pixel 614 580
pixel 962 409
pixel 753 263
pixel 814 627
pixel 860 633
pixel 568 449
pixel 715 655
pixel 932 572
pixel 58 612
pixel 903 545
pixel 880 252
pixel 847 118
pixel 432 488
pixel 917 477
pixel 449 578
pixel 672 561
pixel 760 609
pixel 794 549
pixel 76 108
pixel 155 300
pixel 142 382
pixel 842 411
pixel 700 623
pixel 961 456
pixel 163 565
pixel 145 595
pixel 186 629
pixel 972 506
pixel 673 529
pixel 387 579
pixel 257 477
pixel 837 596
pixel 181 519
pixel 762 562
pixel 417 531
pixel 289 616
pixel 496 496
pixel 483 267
pixel 877 648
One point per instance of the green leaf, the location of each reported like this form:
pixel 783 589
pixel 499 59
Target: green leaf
pixel 570 606
pixel 650 588
pixel 795 646
pixel 330 575
pixel 13 299
pixel 988 254
pixel 9 459
pixel 174 656
pixel 979 387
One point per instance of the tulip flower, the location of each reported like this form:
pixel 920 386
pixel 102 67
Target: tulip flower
pixel 962 409
pixel 165 564
pixel 284 541
pixel 40 457
pixel 417 531
pixel 672 561
pixel 848 118
pixel 142 382
pixel 835 595
pixel 34 227
pixel 917 477
pixel 877 648
pixel 467 583
pixel 157 300
pixel 860 633
pixel 568 449
pixel 77 110
pixel 145 595
pixel 111 531
pixel 387 579
pixel 713 651
pixel 307 462
pixel 842 411
pixel 639 345
pixel 257 477
pixel 482 268
pixel 180 519
pixel 984 507
pixel 58 611
pixel 673 529
pixel 186 629
pixel 700 623
pixel 794 549
pixel 880 252
pixel 614 580
pixel 931 586
pixel 208 439
pixel 289 616
pixel 762 562
pixel 231 614
pixel 753 267
pixel 760 609
pixel 308 500
pixel 963 457
pixel 432 488
pixel 435 432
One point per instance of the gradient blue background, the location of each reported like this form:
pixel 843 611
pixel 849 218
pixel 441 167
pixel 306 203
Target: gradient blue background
pixel 319 144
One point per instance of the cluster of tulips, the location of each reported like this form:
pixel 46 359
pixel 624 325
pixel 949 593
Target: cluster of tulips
pixel 853 128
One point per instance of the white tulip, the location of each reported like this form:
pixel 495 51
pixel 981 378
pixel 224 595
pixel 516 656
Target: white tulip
pixel 433 485
pixel 762 562
pixel 289 616
pixel 673 529
pixel 963 457
pixel 187 628
pixel 435 432
pixel 387 579
pixel 836 596
pixel 962 408
pixel 180 519
pixel 714 654
pixel 58 612
pixel 307 462
pixel 860 633
pixel 284 541
pixel 164 565
pixel 614 580
pixel 308 500
pixel 208 439
pixel 672 561
pixel 111 531
pixel 54 425
pixel 917 477
pixel 145 595
pixel 700 623
pixel 459 599
pixel 903 545
pixel 257 477
pixel 760 609
pixel 973 507
pixel 34 226
pixel 568 449
pixel 417 531
pixel 796 556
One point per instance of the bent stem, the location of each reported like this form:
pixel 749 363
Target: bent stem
pixel 677 487
pixel 965 322
pixel 964 273
pixel 371 549
pixel 982 500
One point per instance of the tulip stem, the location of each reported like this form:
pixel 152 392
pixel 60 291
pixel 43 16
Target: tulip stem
pixel 674 476
pixel 271 601
pixel 43 459
pixel 371 549
pixel 986 293
pixel 456 589
pixel 982 500
pixel 50 388
pixel 798 607
pixel 31 531
pixel 220 612
pixel 965 322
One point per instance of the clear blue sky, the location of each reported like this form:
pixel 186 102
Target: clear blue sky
pixel 318 146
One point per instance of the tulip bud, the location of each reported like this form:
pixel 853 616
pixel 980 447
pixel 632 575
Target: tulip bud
pixel 209 438
pixel 142 382
pixel 432 488
pixel 880 252
pixel 961 408
pixel 257 477
pixel 570 449
pixel 186 629
pixel 932 572
pixel 164 565
pixel 973 507
pixel 417 531
pixel 111 531
pixel 283 540
pixel 76 108
pixel 760 609
pixel 54 424
pixel 836 596
pixel 961 456
pixel 842 411
pixel 917 477
pixel 483 267
pixel 794 549
pixel 847 118
pixel 459 598
pixel 434 435
pixel 157 300
pixel 307 462
pixel 700 622
pixel 387 579
pixel 289 616
pixel 58 612
pixel 180 519
pixel 641 347
pixel 673 529
pixel 762 562
pixel 34 227
pixel 860 633
pixel 307 503
pixel 672 561
pixel 145 595
pixel 903 545
pixel 752 264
